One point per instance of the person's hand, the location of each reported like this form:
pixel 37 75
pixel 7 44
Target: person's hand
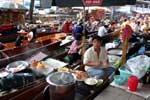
pixel 98 64
pixel 105 64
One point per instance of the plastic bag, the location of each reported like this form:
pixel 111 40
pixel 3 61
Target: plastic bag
pixel 139 65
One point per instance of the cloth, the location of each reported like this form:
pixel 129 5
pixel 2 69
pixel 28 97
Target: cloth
pixel 102 31
pixel 19 40
pixel 126 32
pixel 91 55
pixel 137 28
pixel 30 36
pixel 73 52
pixel 66 27
pixel 100 73
pixel 73 58
pixel 73 47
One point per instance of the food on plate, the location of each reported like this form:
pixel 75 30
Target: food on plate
pixel 40 65
pixel 34 63
pixel 3 74
pixel 63 69
pixel 80 75
pixel 91 81
pixel 17 68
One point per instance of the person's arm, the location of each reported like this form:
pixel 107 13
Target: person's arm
pixel 94 63
pixel 88 61
pixel 79 46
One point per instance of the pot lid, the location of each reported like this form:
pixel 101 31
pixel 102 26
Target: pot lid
pixel 61 78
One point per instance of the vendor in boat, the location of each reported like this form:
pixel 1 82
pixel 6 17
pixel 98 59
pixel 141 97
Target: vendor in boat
pixel 96 60
pixel 74 50
pixel 67 26
pixel 21 36
pixel 103 30
pixel 31 35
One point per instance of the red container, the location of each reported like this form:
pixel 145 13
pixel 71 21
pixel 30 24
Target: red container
pixel 132 83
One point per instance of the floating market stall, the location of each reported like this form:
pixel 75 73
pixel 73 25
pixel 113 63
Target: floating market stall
pixel 12 13
pixel 84 91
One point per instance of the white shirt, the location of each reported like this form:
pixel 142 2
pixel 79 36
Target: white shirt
pixel 91 55
pixel 30 36
pixel 102 31
pixel 137 28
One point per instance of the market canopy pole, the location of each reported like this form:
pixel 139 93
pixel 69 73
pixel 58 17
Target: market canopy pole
pixel 31 11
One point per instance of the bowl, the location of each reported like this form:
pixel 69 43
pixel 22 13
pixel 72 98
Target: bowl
pixel 119 80
pixel 91 81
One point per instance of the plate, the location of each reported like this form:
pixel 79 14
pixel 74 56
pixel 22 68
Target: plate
pixel 3 73
pixel 55 63
pixel 17 66
pixel 46 70
pixel 115 51
pixel 113 58
pixel 81 75
pixel 91 81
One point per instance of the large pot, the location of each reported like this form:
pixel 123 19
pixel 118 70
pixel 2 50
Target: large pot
pixel 61 86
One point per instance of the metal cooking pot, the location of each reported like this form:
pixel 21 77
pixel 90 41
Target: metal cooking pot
pixel 61 85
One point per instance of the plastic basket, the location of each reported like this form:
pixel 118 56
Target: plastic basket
pixel 119 80
pixel 124 73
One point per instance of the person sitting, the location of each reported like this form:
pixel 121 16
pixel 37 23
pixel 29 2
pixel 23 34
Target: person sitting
pixel 66 26
pixel 31 35
pixel 96 60
pixel 19 39
pixel 103 31
pixel 74 50
pixel 138 27
pixel 77 30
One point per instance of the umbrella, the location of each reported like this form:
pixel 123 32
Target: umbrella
pixel 12 6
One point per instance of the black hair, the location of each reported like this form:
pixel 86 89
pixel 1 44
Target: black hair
pixel 97 38
pixel 125 20
pixel 78 37
pixel 138 22
pixel 106 26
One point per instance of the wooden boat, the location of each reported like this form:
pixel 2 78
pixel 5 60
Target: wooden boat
pixel 37 87
pixel 45 43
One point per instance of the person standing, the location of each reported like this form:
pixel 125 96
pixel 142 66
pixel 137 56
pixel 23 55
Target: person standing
pixel 67 26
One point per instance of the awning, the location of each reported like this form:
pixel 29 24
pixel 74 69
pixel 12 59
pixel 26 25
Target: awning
pixel 80 3
pixel 12 6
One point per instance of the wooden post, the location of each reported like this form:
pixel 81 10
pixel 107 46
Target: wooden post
pixel 124 51
pixel 126 34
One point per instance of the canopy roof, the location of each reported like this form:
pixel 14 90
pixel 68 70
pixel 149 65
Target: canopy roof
pixel 12 6
pixel 80 3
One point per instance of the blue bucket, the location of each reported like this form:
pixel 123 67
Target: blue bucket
pixel 124 73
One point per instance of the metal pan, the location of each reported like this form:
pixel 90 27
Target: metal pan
pixel 17 66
